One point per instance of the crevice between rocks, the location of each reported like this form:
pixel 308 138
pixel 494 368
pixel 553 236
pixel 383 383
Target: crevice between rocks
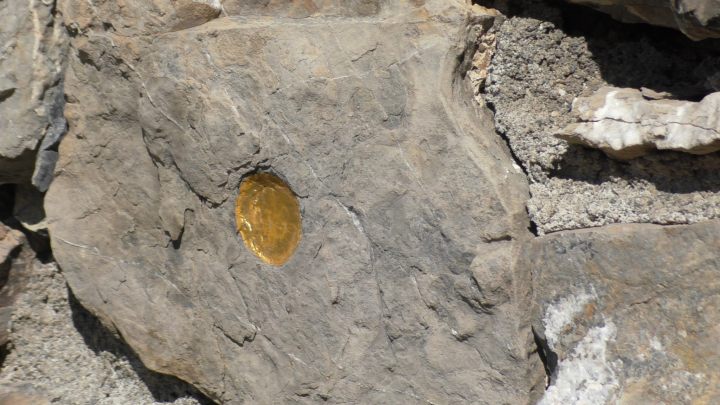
pixel 611 45
pixel 39 241
pixel 532 227
pixel 465 64
pixel 548 357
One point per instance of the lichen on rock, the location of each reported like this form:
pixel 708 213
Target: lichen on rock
pixel 267 215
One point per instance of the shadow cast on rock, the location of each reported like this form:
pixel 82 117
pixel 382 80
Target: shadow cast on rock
pixel 642 55
pixel 164 388
pixel 671 172
pixel 631 55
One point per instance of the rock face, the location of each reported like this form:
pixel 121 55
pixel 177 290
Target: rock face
pixel 630 312
pixel 415 279
pixel 31 91
pixel 625 123
pixel 401 289
pixel 698 19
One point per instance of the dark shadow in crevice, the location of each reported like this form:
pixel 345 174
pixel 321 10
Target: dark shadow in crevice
pixel 7 202
pixel 39 241
pixel 548 357
pixel 6 94
pixel 631 55
pixel 642 55
pixel 671 172
pixel 164 388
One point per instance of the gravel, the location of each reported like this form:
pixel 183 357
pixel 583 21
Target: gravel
pixel 62 353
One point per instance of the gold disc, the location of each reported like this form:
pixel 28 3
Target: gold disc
pixel 268 218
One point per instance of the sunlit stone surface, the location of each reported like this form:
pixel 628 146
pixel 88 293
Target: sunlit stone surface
pixel 402 181
pixel 268 218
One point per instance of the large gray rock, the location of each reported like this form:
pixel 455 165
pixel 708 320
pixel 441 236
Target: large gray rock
pixel 32 50
pixel 698 19
pixel 401 290
pixel 631 312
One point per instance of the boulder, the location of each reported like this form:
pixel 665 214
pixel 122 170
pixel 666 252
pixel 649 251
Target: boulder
pixel 629 313
pixel 401 289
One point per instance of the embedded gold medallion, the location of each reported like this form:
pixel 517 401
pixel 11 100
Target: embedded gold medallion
pixel 268 218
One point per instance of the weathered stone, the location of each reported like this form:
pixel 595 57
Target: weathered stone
pixel 191 13
pixel 403 187
pixel 33 45
pixel 631 312
pixel 698 19
pixel 10 240
pixel 304 8
pixel 21 397
pixel 14 256
pixel 625 124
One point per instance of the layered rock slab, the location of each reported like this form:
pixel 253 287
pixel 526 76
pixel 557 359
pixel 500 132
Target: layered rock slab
pixel 626 124
pixel 629 313
pixel 401 290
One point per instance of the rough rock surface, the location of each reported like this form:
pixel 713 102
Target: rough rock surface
pixel 698 19
pixel 22 397
pixel 625 123
pixel 401 290
pixel 58 353
pixel 412 281
pixel 545 58
pixel 10 241
pixel 11 282
pixel 32 51
pixel 631 312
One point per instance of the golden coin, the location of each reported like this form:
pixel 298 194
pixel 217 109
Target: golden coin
pixel 268 218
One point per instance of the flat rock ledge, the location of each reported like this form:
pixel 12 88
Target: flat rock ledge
pixel 629 123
